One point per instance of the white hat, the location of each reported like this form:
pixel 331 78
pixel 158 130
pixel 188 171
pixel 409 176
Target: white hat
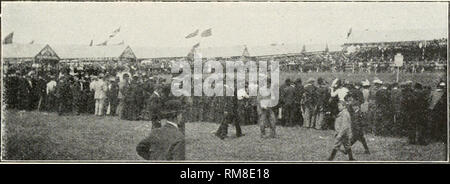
pixel 377 81
pixel 311 80
pixel 366 83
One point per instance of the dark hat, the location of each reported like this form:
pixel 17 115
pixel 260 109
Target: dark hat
pixel 287 81
pixel 320 81
pixel 418 86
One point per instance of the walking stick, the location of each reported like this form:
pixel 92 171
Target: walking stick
pixel 39 104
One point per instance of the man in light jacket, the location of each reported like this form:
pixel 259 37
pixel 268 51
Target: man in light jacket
pixel 100 89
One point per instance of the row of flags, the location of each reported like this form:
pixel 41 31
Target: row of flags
pixel 205 33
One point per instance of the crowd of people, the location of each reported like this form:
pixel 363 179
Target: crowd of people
pixel 418 58
pixel 138 92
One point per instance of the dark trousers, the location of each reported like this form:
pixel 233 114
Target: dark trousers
pixel 222 131
pixel 112 102
pixel 416 131
pixel 289 115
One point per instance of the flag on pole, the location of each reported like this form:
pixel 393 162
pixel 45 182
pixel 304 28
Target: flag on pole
pixel 9 38
pixel 92 43
pixel 349 33
pixel 196 45
pixel 207 33
pixel 103 44
pixel 191 53
pixel 32 41
pixel 114 33
pixel 117 30
pixel 193 34
pixel 245 52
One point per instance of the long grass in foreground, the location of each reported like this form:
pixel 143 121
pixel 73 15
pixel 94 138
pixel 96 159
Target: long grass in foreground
pixel 47 136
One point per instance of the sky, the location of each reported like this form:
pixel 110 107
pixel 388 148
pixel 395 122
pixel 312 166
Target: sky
pixel 167 24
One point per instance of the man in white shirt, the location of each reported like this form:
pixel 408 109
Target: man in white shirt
pixel 100 89
pixel 337 89
pixel 51 94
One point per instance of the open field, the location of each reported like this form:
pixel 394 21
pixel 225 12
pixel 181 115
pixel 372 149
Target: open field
pixel 41 136
pixel 297 144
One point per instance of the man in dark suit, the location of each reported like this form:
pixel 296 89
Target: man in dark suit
pixel 111 95
pixel 153 106
pixel 76 95
pixel 289 107
pixel 417 123
pixel 309 104
pixel 167 142
pixel 323 95
pixel 230 104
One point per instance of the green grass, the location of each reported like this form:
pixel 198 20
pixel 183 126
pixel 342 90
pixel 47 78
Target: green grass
pixel 296 144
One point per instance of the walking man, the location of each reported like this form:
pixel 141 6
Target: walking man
pixel 343 132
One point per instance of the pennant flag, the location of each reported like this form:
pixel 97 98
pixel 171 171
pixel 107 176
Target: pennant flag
pixel 92 43
pixel 121 43
pixel 191 53
pixel 196 45
pixel 193 34
pixel 349 32
pixel 32 41
pixel 245 52
pixel 207 33
pixel 114 33
pixel 117 30
pixel 103 44
pixel 9 38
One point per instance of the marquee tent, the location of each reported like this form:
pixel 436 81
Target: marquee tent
pixel 86 54
pixel 29 53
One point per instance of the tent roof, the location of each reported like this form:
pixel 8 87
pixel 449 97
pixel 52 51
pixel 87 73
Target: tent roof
pixel 85 51
pixel 16 50
pixel 373 36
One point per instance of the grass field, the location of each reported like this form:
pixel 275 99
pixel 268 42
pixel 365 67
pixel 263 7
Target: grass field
pixel 42 136
pixel 297 144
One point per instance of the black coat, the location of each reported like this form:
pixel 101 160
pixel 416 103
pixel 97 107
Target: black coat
pixel 165 143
